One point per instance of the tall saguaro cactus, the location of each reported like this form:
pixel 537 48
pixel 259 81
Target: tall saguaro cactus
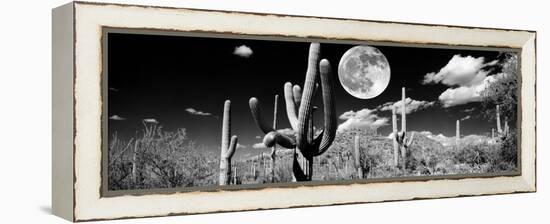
pixel 395 143
pixel 457 139
pixel 134 163
pixel 228 146
pixel 273 154
pixel 506 127
pixel 299 108
pixel 499 129
pixel 235 181
pixel 357 155
pixel 400 140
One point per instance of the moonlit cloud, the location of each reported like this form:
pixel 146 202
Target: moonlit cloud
pixel 243 51
pixel 411 105
pixel 197 112
pixel 150 120
pixel 466 94
pixel 466 77
pixel 469 110
pixel 361 119
pixel 258 137
pixel 239 146
pixel 259 146
pixel 460 71
pixel 466 118
pixel 116 118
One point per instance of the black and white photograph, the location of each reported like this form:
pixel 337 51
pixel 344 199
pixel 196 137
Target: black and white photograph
pixel 188 111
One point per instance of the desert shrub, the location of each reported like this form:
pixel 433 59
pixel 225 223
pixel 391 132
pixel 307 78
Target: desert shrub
pixel 508 147
pixel 159 159
pixel 472 154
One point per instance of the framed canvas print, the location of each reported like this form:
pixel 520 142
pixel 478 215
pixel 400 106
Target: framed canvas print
pixel 167 111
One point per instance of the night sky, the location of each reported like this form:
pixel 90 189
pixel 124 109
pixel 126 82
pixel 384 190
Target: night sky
pixel 182 82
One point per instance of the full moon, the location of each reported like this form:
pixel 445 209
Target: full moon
pixel 364 72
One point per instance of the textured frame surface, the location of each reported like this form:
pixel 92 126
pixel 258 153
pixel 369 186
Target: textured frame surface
pixel 90 19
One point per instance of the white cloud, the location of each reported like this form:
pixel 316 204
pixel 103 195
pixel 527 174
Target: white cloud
pixel 469 110
pixel 150 120
pixel 197 112
pixel 466 77
pixel 466 118
pixel 364 118
pixel 259 146
pixel 239 146
pixel 258 137
pixel 466 94
pixel 462 71
pixel 411 105
pixel 117 118
pixel 243 51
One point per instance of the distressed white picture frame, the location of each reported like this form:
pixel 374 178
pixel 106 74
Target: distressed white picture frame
pixel 77 114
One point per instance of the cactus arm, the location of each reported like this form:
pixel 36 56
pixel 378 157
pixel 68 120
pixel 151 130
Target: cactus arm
pixel 275 137
pixel 275 106
pixel 313 63
pixel 232 146
pixel 403 111
pixel 291 106
pixel 256 110
pixel 329 132
pixel 306 105
pixel 297 92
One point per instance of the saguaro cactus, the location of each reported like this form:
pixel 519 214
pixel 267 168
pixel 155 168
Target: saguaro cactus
pixel 457 139
pixel 273 154
pixel 235 175
pixel 506 127
pixel 357 155
pixel 400 140
pixel 134 163
pixel 302 138
pixel 228 145
pixel 254 176
pixel 499 129
pixel 395 143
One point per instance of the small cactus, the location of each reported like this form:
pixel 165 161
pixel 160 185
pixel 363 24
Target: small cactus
pixel 303 137
pixel 400 139
pixel 357 155
pixel 235 181
pixel 499 129
pixel 228 146
pixel 273 154
pixel 457 134
pixel 134 162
